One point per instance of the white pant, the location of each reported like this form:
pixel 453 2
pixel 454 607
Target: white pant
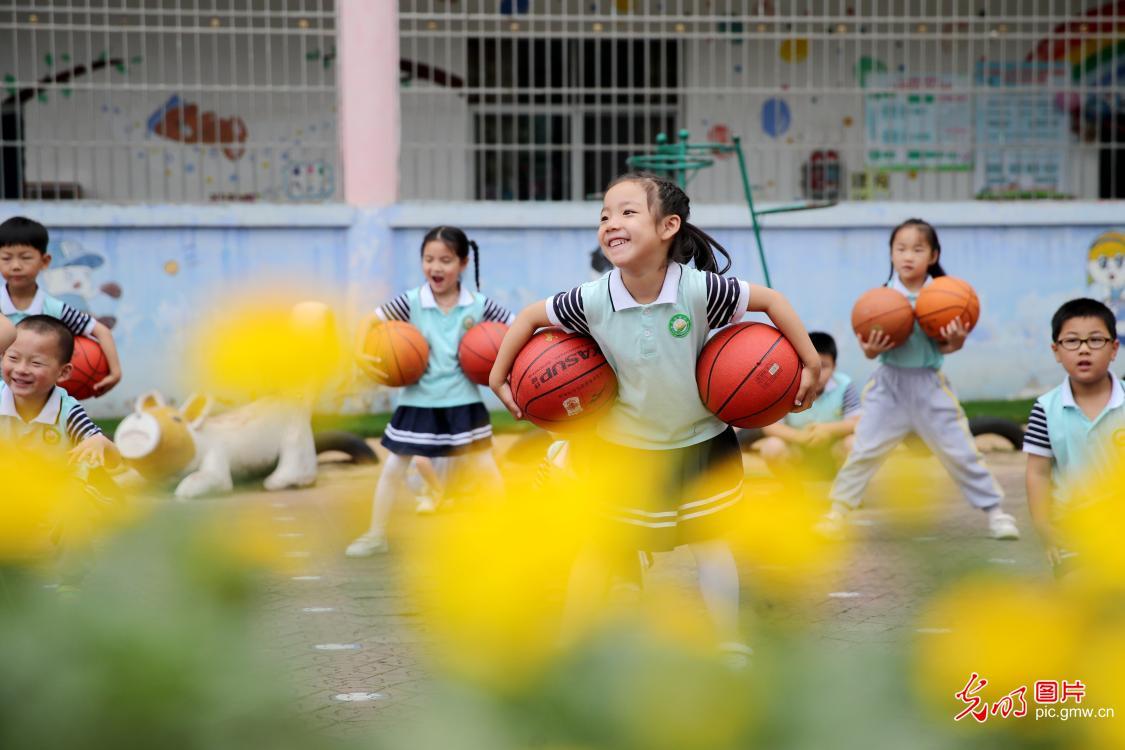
pixel 897 401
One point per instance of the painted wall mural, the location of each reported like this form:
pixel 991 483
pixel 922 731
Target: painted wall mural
pixel 154 298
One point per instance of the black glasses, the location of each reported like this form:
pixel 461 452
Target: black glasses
pixel 1073 343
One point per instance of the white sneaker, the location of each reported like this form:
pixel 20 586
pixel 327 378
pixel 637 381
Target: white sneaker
pixel 1002 526
pixel 426 506
pixel 831 526
pixel 735 656
pixel 367 545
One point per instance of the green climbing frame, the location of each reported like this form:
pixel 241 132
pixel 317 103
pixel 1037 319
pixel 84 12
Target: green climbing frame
pixel 682 160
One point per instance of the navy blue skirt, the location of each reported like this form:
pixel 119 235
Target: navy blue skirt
pixel 443 431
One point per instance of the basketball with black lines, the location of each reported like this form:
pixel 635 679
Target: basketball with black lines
pixel 748 375
pixel 944 300
pixel 478 349
pixel 394 354
pixel 883 309
pixel 562 380
pixel 88 367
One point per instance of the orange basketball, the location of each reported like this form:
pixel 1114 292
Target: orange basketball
pixel 478 350
pixel 88 367
pixel 396 354
pixel 562 380
pixel 883 309
pixel 748 375
pixel 943 300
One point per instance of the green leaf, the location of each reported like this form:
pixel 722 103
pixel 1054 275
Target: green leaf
pixel 119 67
pixel 49 59
pixel 42 96
pixel 65 57
pixel 136 60
pixel 67 92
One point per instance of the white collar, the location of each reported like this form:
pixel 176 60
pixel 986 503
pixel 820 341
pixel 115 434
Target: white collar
pixel 48 415
pixel 1116 395
pixel 426 297
pixel 9 308
pixel 898 286
pixel 620 298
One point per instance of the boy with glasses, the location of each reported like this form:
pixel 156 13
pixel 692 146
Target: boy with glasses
pixel 1076 430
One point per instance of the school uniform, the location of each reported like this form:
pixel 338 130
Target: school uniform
pixel 658 428
pixel 1081 449
pixel 76 321
pixel 59 426
pixel 839 401
pixel 442 414
pixel 908 393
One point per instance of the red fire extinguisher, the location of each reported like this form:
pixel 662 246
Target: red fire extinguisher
pixel 822 175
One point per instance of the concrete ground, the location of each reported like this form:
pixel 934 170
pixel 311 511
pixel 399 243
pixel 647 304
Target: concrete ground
pixel 355 645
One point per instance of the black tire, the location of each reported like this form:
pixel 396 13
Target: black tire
pixel 345 442
pixel 1005 428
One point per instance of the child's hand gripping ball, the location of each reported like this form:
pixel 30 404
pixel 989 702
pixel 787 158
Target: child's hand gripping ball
pixel 944 300
pixel 562 380
pixel 394 354
pixel 885 310
pixel 748 375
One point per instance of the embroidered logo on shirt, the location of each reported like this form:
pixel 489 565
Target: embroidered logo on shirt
pixel 1119 438
pixel 467 322
pixel 679 325
pixel 50 436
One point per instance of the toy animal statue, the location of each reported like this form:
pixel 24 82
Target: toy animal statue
pixel 267 436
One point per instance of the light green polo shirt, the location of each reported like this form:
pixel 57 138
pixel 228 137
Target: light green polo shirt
pixel 919 351
pixel 443 383
pixel 59 426
pixel 653 349
pixel 828 407
pixel 78 322
pixel 1079 447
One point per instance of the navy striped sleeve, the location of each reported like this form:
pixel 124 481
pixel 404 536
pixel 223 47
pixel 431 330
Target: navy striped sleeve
pixel 723 295
pixel 851 401
pixel 567 310
pixel 79 426
pixel 1037 439
pixel 396 309
pixel 76 321
pixel 497 313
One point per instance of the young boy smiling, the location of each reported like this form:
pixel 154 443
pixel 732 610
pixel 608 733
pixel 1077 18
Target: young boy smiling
pixel 34 411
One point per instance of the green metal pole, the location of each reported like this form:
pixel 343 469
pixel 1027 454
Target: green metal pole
pixel 753 213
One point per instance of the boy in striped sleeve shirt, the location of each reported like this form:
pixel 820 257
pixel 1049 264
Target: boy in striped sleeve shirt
pixel 34 411
pixel 23 256
pixel 1077 430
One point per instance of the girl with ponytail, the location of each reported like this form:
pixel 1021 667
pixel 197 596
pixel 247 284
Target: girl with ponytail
pixel 441 415
pixel 651 315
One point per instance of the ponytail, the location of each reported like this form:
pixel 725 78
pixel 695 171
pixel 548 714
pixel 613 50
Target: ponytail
pixel 476 262
pixel 693 244
pixel 666 198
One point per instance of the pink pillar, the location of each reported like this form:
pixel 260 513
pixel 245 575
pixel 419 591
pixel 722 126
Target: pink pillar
pixel 367 93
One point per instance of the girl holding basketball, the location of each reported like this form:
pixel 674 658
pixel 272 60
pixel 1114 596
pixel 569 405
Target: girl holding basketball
pixel 650 315
pixel 442 414
pixel 908 393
